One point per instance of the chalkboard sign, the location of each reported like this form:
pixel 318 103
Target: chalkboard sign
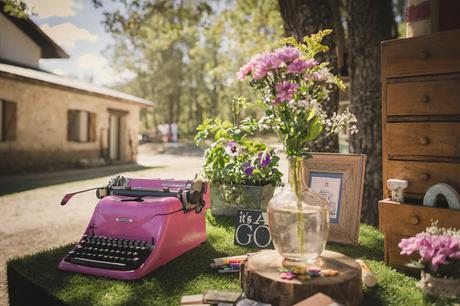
pixel 252 230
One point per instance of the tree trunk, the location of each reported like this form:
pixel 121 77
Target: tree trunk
pixel 305 17
pixel 369 23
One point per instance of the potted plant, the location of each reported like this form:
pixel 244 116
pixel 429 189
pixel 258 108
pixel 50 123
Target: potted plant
pixel 292 84
pixel 439 251
pixel 242 173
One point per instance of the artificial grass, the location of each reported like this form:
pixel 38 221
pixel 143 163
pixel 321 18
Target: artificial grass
pixel 37 277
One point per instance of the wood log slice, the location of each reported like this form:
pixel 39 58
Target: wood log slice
pixel 261 281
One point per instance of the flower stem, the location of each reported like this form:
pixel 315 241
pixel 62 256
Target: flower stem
pixel 295 164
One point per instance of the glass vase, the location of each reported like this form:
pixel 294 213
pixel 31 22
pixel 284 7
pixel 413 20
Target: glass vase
pixel 298 219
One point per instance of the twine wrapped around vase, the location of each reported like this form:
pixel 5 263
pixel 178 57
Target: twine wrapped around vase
pixel 442 287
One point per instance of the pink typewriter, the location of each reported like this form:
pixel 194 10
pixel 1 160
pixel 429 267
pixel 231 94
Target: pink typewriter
pixel 138 226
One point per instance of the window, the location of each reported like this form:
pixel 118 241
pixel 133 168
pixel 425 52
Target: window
pixel 81 126
pixel 8 118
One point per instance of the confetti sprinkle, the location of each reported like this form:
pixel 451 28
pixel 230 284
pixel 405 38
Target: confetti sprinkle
pixel 288 275
pixel 304 274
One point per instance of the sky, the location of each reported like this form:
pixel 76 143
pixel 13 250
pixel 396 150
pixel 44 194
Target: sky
pixel 76 26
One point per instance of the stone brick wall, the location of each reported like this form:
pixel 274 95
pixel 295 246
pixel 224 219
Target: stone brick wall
pixel 41 136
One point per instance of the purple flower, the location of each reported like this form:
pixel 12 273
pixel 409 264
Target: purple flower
pixel 285 90
pixel 299 65
pixel 264 159
pixel 288 54
pixel 233 148
pixel 247 168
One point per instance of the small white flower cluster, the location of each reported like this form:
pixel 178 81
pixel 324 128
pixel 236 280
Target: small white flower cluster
pixel 333 124
pixel 434 229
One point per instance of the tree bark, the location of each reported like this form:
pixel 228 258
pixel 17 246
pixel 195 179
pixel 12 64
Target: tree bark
pixel 305 17
pixel 369 22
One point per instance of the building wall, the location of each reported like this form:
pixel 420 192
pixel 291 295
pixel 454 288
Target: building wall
pixel 17 47
pixel 41 136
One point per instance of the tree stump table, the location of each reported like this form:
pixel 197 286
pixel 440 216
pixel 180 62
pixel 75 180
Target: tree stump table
pixel 261 281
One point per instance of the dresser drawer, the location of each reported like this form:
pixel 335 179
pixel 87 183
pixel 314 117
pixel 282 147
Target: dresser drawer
pixel 423 175
pixel 436 97
pixel 407 220
pixel 423 55
pixel 398 221
pixel 435 140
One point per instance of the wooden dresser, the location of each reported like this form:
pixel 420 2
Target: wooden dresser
pixel 420 131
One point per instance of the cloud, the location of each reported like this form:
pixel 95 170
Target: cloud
pixel 94 66
pixel 66 34
pixel 56 8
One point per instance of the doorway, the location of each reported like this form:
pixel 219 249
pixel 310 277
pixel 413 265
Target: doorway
pixel 114 136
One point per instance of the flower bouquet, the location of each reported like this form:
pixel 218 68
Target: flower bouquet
pixel 242 172
pixel 292 84
pixel 439 251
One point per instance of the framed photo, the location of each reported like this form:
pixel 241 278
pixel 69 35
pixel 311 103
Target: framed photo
pixel 339 178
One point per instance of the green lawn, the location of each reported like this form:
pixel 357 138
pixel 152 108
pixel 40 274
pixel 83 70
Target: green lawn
pixel 188 274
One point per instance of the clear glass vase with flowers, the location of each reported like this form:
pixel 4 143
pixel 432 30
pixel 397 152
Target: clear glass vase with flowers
pixel 242 172
pixel 292 85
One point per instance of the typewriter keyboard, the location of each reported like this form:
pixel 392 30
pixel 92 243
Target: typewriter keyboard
pixel 110 253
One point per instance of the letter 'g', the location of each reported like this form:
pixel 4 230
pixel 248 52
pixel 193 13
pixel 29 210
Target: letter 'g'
pixel 237 236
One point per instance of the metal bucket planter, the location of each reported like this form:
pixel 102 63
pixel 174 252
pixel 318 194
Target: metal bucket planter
pixel 227 199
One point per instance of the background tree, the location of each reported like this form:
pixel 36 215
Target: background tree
pixel 185 54
pixel 305 17
pixel 369 22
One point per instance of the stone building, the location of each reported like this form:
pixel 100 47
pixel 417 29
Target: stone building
pixel 51 122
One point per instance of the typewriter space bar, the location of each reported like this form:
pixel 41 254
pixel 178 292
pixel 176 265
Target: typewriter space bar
pixel 98 263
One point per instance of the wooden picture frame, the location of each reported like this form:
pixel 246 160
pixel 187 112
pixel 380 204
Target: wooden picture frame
pixel 340 178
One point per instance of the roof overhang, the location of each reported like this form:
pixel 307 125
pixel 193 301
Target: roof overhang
pixel 49 48
pixel 49 79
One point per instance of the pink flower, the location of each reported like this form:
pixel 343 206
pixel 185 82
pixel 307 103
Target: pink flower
pixel 285 90
pixel 274 60
pixel 433 249
pixel 408 246
pixel 245 70
pixel 288 54
pixel 299 65
pixel 260 71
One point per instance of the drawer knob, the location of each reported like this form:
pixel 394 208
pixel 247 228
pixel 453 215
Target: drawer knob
pixel 425 98
pixel 424 140
pixel 423 55
pixel 425 176
pixel 414 220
